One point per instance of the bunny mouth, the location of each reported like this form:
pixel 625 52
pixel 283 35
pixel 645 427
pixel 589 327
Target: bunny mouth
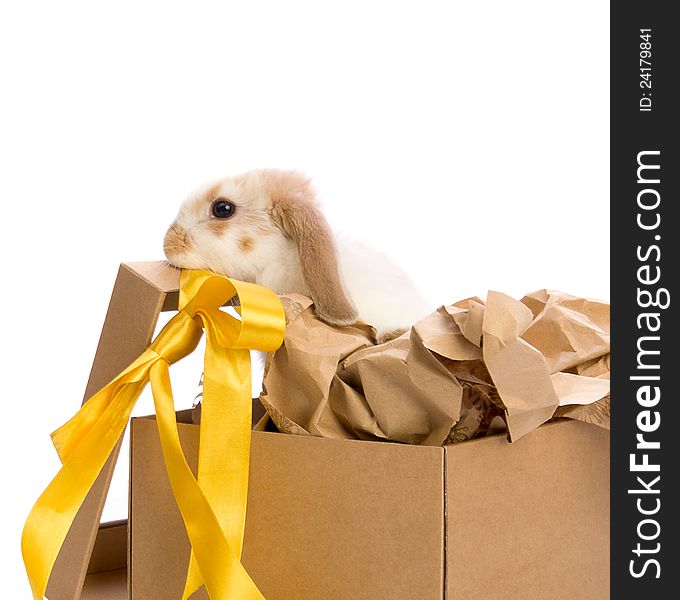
pixel 183 260
pixel 174 257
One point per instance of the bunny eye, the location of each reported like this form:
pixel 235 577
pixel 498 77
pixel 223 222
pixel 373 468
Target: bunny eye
pixel 223 209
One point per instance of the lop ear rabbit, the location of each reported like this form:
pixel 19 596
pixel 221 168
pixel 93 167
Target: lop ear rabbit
pixel 266 227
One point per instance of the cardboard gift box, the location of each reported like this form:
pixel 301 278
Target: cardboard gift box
pixel 346 519
pixel 351 519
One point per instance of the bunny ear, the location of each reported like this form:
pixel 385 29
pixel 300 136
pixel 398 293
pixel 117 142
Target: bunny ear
pixel 293 208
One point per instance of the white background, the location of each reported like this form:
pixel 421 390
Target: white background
pixel 468 141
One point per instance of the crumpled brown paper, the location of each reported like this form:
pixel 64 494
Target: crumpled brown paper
pixel 457 374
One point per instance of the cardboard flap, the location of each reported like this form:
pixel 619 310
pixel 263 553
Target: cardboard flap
pixel 140 293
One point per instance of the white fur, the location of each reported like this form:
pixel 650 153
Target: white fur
pixel 384 295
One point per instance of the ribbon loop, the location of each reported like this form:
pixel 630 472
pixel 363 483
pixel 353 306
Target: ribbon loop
pixel 261 314
pixel 213 508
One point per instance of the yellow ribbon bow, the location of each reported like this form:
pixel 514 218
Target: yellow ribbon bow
pixel 213 511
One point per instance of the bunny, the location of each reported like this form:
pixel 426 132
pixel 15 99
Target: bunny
pixel 265 227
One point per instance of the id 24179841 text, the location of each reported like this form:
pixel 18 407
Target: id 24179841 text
pixel 645 70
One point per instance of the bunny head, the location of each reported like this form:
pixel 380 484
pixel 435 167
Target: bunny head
pixel 264 227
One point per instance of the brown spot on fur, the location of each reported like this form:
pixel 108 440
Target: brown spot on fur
pixel 246 244
pixel 294 210
pixel 217 225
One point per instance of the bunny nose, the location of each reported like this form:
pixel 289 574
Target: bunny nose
pixel 176 240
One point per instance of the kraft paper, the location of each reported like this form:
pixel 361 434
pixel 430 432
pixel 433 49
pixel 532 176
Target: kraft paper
pixel 459 373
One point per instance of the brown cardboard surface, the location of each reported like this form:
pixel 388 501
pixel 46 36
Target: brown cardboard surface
pixel 332 519
pixel 529 519
pixel 110 548
pixel 345 519
pixel 109 585
pixel 140 292
pixel 107 573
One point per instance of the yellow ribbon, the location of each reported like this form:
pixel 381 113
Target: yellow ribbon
pixel 213 511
